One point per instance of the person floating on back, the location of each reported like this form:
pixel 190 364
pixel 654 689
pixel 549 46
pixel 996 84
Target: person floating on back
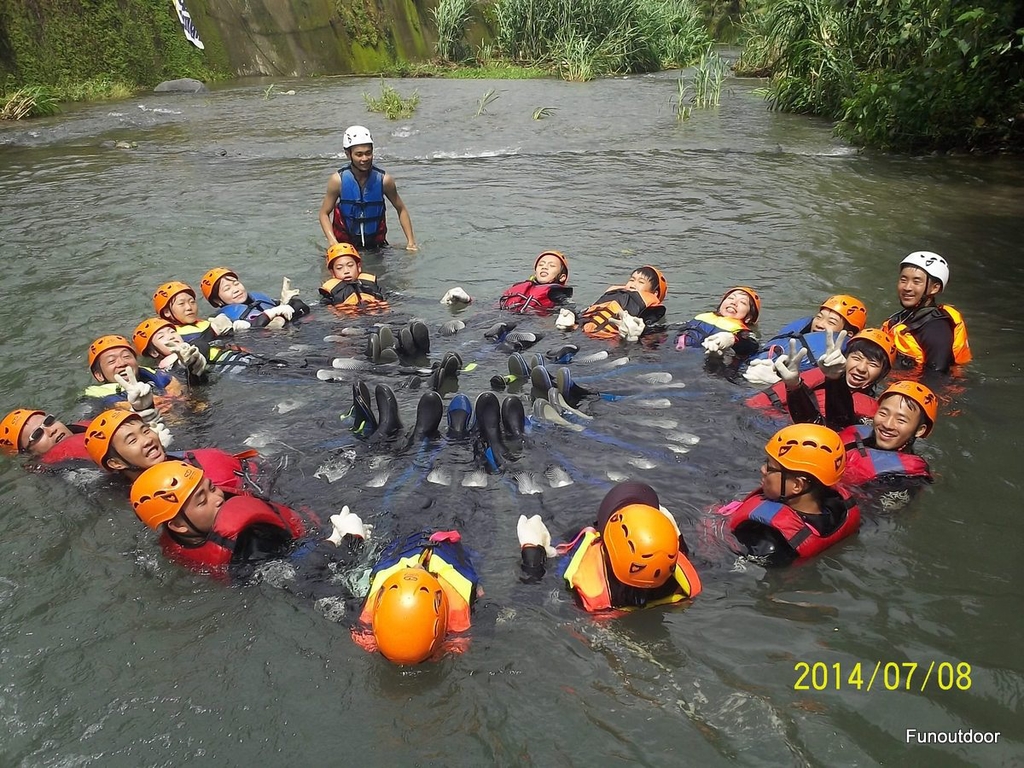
pixel 225 292
pixel 349 289
pixel 730 326
pixel 545 290
pixel 627 311
pixel 353 209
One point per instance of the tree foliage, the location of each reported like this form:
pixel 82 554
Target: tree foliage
pixel 908 75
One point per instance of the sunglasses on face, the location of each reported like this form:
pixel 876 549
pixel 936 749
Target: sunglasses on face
pixel 770 470
pixel 37 434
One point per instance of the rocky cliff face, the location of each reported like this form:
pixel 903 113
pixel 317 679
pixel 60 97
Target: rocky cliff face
pixel 311 37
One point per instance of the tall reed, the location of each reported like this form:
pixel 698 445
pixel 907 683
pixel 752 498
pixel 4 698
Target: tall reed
pixel 451 17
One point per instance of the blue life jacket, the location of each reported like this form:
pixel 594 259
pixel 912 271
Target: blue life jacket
pixel 814 342
pixel 359 214
pixel 257 304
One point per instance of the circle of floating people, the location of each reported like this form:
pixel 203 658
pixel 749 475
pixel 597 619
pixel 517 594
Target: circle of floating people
pixel 847 435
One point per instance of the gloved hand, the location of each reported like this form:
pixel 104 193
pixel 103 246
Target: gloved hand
pixel 833 362
pixel 630 327
pixel 287 292
pixel 221 324
pixel 139 393
pixel 566 320
pixel 162 432
pixel 717 343
pixel 190 357
pixel 241 325
pixel 347 523
pixel 788 366
pixel 761 372
pixel 281 310
pixel 456 296
pixel 533 533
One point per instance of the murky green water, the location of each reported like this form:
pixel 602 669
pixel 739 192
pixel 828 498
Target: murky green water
pixel 110 656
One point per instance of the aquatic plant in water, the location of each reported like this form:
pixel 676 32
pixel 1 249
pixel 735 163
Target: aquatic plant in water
pixel 707 79
pixel 391 103
pixel 486 100
pixel 32 101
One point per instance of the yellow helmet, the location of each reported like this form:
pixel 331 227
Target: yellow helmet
pixel 410 619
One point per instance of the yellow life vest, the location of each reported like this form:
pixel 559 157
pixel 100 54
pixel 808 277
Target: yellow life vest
pixel 908 346
pixel 587 575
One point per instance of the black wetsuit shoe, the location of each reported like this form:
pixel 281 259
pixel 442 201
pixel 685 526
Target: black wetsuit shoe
pixel 420 336
pixel 460 417
pixel 389 419
pixel 373 347
pixel 498 331
pixel 513 417
pixel 571 391
pixel 562 355
pixel 446 374
pixel 451 327
pixel 488 424
pixel 428 415
pixel 541 379
pixel 406 345
pixel 387 337
pixel 536 359
pixel 364 423
pixel 520 340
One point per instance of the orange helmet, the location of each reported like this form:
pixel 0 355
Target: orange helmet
pixel 208 285
pixel 810 449
pixel 146 330
pixel 642 545
pixel 161 491
pixel 883 339
pixel 100 434
pixel 163 295
pixel 920 394
pixel 850 309
pixel 410 619
pixel 343 249
pixel 661 289
pixel 564 277
pixel 11 428
pixel 755 309
pixel 103 343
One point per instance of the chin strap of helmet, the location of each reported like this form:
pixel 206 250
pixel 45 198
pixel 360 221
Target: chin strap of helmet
pixel 783 497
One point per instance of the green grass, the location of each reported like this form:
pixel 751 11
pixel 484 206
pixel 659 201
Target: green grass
pixel 391 103
pixel 32 101
pixel 707 79
pixel 485 101
pixel 450 18
pixel 491 70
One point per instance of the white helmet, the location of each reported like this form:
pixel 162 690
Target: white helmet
pixel 933 264
pixel 356 135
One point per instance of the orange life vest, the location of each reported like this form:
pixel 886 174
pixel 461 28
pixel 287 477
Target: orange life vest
pixel 597 318
pixel 908 346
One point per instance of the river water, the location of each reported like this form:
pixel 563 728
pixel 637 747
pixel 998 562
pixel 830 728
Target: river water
pixel 111 656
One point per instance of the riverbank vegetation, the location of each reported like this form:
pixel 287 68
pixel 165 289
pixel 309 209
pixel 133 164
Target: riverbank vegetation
pixel 908 75
pixel 391 103
pixel 579 39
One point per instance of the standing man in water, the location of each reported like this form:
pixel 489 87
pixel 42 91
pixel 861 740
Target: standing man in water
pixel 353 208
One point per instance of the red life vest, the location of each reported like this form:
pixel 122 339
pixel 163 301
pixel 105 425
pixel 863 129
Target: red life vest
pixel 235 515
pixel 531 296
pixel 70 449
pixel 597 317
pixel 865 464
pixel 224 470
pixel 776 396
pixel 801 536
